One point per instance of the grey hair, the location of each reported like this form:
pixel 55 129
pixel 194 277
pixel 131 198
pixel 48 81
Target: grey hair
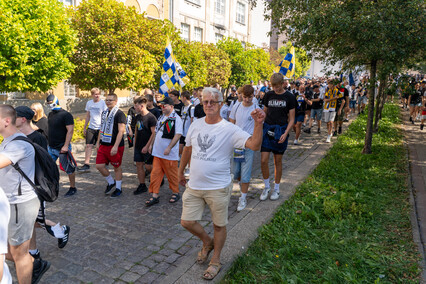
pixel 214 93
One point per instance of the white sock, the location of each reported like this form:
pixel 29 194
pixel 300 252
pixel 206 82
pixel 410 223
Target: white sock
pixel 109 179
pixel 243 195
pixel 277 187
pixel 58 231
pixel 118 184
pixel 33 251
pixel 266 181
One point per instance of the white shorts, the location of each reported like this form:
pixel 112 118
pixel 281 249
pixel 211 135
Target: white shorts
pixel 329 116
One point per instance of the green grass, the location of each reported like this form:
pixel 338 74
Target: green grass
pixel 349 222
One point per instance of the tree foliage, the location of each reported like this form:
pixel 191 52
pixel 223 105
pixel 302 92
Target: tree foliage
pixel 113 46
pixel 36 41
pixel 303 60
pixel 247 63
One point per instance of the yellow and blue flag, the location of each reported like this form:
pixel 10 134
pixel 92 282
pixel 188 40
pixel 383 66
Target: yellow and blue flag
pixel 180 75
pixel 168 79
pixel 288 65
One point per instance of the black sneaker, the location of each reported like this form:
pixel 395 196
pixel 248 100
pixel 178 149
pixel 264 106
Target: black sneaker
pixel 319 130
pixel 109 188
pixel 116 193
pixel 39 268
pixel 421 126
pixel 71 191
pixel 141 189
pixel 335 133
pixel 62 242
pixel 84 168
pixel 307 130
pixel 346 120
pixel 411 119
pixel 340 130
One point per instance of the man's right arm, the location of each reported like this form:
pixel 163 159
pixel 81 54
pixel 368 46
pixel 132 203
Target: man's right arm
pixel 86 121
pixel 4 161
pixel 184 160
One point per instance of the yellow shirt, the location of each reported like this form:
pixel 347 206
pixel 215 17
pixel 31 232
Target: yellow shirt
pixel 330 94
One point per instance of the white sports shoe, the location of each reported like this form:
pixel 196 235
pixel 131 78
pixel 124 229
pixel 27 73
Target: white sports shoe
pixel 265 194
pixel 242 203
pixel 296 142
pixel 275 195
pixel 328 139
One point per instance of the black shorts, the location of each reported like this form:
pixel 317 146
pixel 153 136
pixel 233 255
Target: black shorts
pixel 263 149
pixel 140 157
pixel 182 140
pixel 91 136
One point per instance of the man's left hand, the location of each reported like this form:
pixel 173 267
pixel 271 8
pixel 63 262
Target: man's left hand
pixel 167 151
pixel 114 151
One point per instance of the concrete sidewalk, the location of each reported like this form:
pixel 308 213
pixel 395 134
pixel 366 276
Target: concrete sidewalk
pixel 415 140
pixel 122 241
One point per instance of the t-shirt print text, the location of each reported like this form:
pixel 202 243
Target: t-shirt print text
pixel 204 143
pixel 277 103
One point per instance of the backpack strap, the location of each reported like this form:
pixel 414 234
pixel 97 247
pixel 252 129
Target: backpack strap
pixel 18 168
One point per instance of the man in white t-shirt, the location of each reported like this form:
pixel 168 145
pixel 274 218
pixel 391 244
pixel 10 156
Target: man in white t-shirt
pixel 243 158
pixel 165 151
pixel 94 109
pixel 24 203
pixel 187 115
pixel 210 143
pixel 5 277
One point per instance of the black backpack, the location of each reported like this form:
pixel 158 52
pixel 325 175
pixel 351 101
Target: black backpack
pixel 46 175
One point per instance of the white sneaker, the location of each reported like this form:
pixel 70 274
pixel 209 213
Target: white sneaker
pixel 296 142
pixel 186 173
pixel 265 194
pixel 328 139
pixel 275 195
pixel 242 203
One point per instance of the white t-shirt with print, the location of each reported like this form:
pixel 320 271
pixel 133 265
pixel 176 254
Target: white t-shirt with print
pixel 242 117
pixel 160 144
pixel 224 111
pixel 186 118
pixel 95 110
pixel 212 149
pixel 4 217
pixel 20 152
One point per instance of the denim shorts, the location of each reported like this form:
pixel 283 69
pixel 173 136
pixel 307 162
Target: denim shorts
pixel 300 118
pixel 352 104
pixel 317 113
pixel 243 169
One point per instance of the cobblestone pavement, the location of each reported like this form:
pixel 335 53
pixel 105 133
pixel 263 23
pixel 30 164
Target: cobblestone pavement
pixel 120 240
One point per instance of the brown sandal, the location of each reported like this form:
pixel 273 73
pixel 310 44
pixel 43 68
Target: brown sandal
pixel 212 270
pixel 203 254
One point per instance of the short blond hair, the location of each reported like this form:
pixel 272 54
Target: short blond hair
pixel 39 111
pixel 95 90
pixel 277 79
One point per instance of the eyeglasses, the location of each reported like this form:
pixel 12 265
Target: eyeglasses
pixel 108 100
pixel 212 103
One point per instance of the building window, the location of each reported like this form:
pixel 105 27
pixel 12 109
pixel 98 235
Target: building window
pixel 219 7
pixel 218 37
pixel 70 91
pixel 241 13
pixel 67 2
pixel 196 2
pixel 184 31
pixel 198 34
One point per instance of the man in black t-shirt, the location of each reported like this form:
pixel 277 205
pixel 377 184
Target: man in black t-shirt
pixel 144 137
pixel 61 128
pixel 340 108
pixel 151 107
pixel 280 115
pixel 178 105
pixel 110 144
pixel 316 111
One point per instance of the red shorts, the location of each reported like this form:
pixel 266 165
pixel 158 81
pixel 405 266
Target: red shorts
pixel 104 156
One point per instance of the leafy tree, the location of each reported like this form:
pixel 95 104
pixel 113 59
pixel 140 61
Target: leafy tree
pixel 303 60
pixel 247 63
pixel 36 41
pixel 113 46
pixel 368 33
pixel 190 56
pixel 218 65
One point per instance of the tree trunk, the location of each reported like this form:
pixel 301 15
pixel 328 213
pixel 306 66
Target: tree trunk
pixel 379 104
pixel 383 101
pixel 369 131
